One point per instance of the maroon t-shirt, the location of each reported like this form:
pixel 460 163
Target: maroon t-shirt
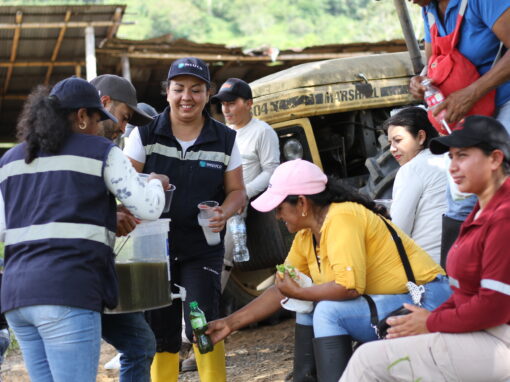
pixel 478 266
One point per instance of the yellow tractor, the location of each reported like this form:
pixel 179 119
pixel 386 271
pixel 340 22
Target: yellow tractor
pixel 328 112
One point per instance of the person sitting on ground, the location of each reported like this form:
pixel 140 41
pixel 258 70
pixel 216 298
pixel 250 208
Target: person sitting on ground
pixel 467 338
pixel 344 245
pixel 419 190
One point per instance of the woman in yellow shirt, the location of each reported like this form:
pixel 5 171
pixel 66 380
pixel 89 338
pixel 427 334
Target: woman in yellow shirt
pixel 344 245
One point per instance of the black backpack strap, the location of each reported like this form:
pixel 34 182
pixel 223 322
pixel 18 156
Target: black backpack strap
pixel 401 252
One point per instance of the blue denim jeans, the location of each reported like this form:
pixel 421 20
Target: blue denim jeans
pixel 352 317
pixel 59 343
pixel 132 336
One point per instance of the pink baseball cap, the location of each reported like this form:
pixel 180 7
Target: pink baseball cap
pixel 295 177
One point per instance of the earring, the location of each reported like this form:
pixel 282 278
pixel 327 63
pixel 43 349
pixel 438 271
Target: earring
pixel 82 125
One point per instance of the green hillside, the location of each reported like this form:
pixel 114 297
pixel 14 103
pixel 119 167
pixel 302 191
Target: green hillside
pixel 252 24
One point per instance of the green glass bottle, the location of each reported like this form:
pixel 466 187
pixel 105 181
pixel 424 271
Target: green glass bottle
pixel 199 325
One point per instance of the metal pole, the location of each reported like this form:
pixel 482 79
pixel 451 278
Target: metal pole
pixel 90 53
pixel 408 31
pixel 126 70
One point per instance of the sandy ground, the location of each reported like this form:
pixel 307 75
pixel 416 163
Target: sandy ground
pixel 262 354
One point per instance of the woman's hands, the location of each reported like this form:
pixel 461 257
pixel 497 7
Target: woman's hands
pixel 410 324
pixel 287 286
pixel 218 221
pixel 165 181
pixel 218 330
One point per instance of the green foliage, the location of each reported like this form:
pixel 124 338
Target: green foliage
pixel 251 24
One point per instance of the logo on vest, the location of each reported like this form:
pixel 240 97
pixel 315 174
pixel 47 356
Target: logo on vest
pixel 206 164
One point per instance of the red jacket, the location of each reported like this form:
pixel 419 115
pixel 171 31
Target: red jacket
pixel 478 266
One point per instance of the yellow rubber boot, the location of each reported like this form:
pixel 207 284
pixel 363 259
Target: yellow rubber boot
pixel 211 366
pixel 165 367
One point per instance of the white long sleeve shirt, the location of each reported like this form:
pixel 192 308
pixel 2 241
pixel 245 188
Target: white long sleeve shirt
pixel 260 153
pixel 419 200
pixel 145 200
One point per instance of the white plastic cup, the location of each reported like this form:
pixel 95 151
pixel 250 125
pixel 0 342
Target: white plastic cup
pixel 206 211
pixel 168 198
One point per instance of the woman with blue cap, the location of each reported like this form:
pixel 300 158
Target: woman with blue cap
pixel 58 222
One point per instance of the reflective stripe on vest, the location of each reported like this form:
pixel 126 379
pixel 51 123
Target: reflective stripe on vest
pixel 57 163
pixel 453 282
pixel 173 152
pixel 60 231
pixel 495 285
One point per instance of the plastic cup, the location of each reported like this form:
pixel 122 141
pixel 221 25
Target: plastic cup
pixel 385 202
pixel 206 211
pixel 168 198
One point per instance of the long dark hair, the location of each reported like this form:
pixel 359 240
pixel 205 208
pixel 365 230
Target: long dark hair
pixel 413 119
pixel 43 125
pixel 338 192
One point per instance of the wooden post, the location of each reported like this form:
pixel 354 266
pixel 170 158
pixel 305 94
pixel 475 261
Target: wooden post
pixel 408 31
pixel 90 53
pixel 126 70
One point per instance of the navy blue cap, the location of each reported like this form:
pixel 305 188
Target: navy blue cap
pixel 232 89
pixel 190 66
pixel 475 130
pixel 75 93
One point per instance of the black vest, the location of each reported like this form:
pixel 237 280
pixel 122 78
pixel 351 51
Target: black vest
pixel 198 175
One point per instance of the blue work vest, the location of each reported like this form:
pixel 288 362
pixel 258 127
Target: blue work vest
pixel 60 227
pixel 198 175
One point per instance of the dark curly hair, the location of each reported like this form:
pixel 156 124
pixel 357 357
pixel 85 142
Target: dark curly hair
pixel 413 119
pixel 338 192
pixel 43 125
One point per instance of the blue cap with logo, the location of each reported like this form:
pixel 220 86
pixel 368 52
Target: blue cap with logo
pixel 190 66
pixel 75 93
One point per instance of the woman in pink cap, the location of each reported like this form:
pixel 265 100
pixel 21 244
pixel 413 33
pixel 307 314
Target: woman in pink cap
pixel 343 243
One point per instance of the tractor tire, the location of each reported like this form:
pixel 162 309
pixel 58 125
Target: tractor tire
pixel 382 169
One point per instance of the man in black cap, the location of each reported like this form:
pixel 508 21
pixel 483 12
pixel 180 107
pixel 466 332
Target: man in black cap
pixel 129 333
pixel 118 96
pixel 257 142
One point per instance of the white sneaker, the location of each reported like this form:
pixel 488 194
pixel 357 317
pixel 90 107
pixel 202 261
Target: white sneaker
pixel 114 363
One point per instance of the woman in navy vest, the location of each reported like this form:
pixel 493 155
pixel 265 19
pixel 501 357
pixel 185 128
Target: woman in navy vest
pixel 200 157
pixel 58 222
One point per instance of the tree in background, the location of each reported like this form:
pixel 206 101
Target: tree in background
pixel 251 24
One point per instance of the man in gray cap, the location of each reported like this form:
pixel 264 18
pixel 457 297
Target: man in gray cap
pixel 118 96
pixel 129 333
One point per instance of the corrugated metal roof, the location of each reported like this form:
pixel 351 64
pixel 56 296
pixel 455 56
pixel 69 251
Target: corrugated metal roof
pixel 36 44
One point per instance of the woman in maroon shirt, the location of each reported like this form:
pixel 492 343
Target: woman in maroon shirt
pixel 467 338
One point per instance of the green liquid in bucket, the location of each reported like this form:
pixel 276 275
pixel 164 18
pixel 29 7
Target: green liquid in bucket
pixel 142 286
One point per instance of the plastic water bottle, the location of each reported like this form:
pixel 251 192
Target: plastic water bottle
pixel 238 229
pixel 433 97
pixel 199 325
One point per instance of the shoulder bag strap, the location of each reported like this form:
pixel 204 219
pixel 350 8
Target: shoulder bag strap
pixel 374 319
pixel 401 251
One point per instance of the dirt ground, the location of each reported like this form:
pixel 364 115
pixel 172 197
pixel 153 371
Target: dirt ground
pixel 262 354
